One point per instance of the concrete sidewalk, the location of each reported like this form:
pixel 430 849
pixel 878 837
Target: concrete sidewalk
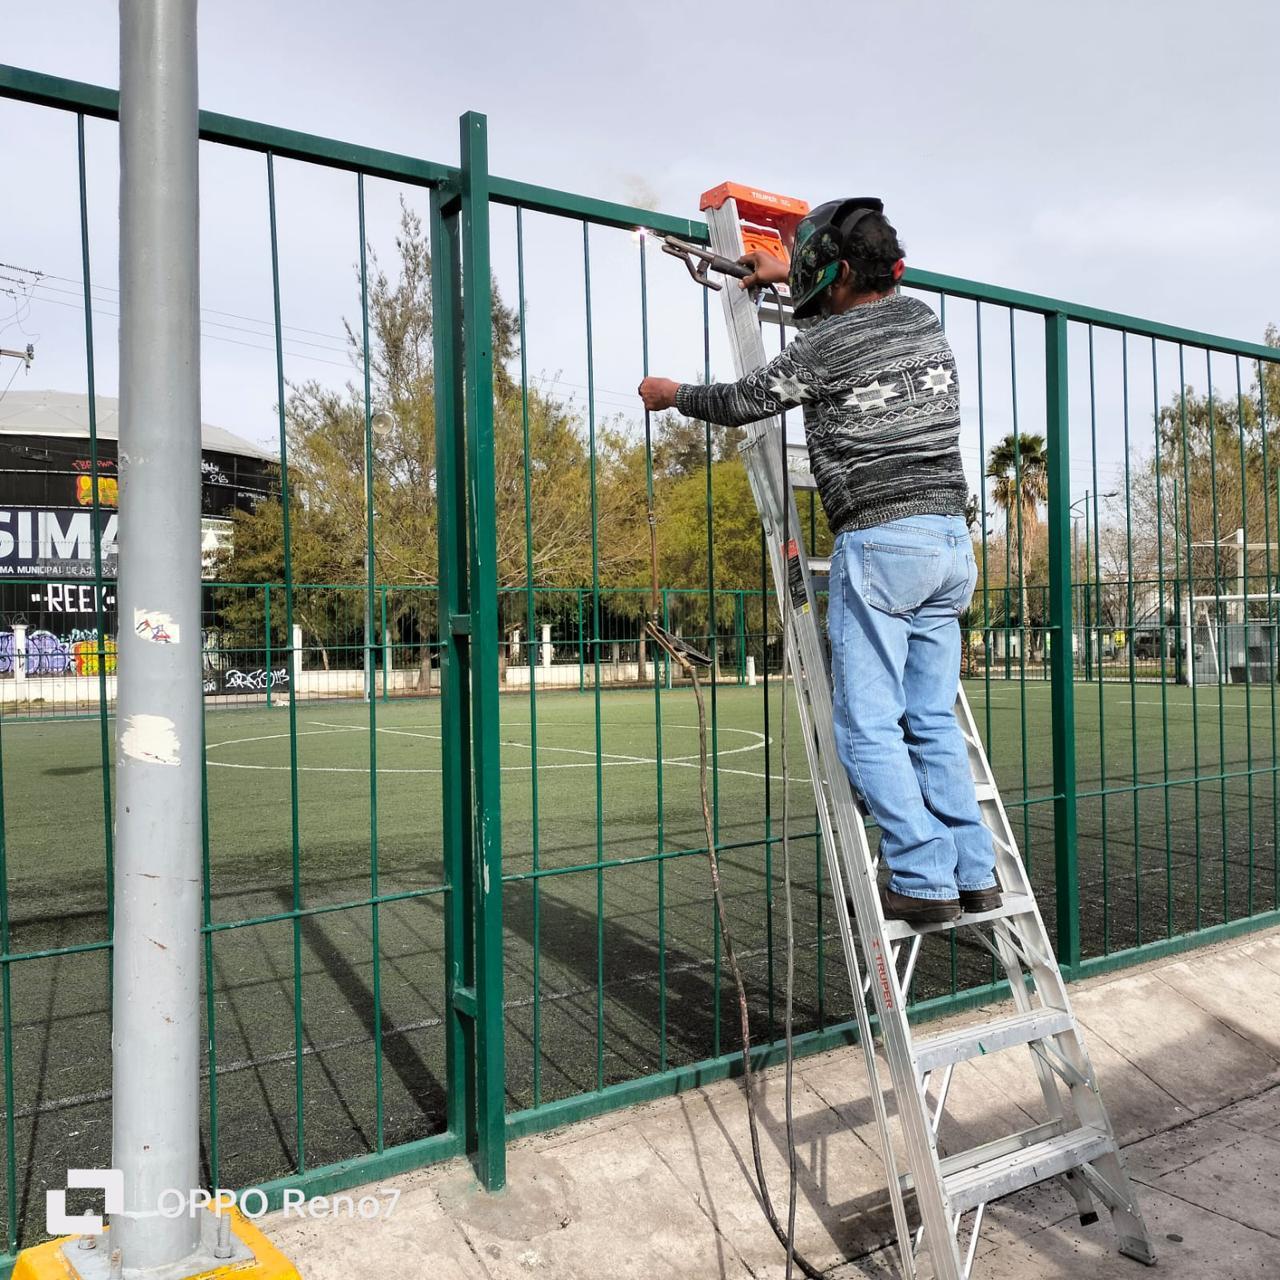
pixel 1188 1057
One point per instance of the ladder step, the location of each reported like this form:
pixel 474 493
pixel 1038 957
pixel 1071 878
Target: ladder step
pixel 1007 1145
pixel 1014 904
pixel 988 1174
pixel 803 482
pixel 975 1040
pixel 820 565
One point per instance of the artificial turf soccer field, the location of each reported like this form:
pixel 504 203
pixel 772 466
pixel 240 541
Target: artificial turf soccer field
pixel 601 936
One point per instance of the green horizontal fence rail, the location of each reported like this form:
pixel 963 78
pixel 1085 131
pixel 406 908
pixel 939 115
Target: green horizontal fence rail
pixel 437 919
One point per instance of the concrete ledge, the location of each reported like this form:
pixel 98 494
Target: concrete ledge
pixel 1187 1053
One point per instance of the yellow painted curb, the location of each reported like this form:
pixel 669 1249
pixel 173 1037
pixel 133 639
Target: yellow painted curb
pixel 48 1261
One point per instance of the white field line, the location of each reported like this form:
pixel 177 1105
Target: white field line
pixel 608 759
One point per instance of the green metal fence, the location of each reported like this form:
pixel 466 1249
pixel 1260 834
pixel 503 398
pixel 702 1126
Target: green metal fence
pixel 252 658
pixel 454 882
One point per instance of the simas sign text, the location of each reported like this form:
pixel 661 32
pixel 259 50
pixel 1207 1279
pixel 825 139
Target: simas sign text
pixel 54 542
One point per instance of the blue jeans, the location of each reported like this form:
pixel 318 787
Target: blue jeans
pixel 897 592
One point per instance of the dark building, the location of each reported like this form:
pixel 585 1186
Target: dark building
pixel 47 566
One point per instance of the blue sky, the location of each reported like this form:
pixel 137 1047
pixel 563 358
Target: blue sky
pixel 1111 153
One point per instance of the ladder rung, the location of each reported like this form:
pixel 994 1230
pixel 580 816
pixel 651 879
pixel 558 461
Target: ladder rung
pixel 1010 1143
pixel 987 1176
pixel 1014 904
pixel 803 481
pixel 820 565
pixel 977 1039
pixel 986 791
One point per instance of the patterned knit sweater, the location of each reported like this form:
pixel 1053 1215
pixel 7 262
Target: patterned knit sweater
pixel 881 411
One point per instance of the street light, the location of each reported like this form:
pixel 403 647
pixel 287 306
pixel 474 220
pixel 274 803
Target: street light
pixel 381 424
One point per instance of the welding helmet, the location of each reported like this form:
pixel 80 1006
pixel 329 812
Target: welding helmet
pixel 821 244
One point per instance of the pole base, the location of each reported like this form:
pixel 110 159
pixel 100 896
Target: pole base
pixel 253 1257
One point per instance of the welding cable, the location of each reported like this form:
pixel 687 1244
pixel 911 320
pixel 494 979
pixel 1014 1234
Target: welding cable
pixel 786 1236
pixel 748 1076
pixel 784 611
pixel 688 660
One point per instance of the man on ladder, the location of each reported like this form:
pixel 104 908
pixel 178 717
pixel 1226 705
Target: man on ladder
pixel 876 379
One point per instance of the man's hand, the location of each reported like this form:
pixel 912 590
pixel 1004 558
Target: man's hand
pixel 765 268
pixel 658 394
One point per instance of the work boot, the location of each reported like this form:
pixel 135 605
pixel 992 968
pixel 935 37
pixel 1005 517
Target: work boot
pixel 975 901
pixel 898 906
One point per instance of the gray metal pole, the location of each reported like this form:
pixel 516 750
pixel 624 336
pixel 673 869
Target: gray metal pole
pixel 368 634
pixel 156 996
pixel 1075 569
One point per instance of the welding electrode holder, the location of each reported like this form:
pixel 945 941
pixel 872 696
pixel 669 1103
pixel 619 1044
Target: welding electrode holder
pixel 698 261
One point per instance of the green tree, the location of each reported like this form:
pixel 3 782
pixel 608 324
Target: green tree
pixel 325 432
pixel 1216 470
pixel 682 538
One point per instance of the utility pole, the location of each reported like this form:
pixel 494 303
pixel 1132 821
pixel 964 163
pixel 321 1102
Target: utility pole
pixel 26 356
pixel 156 997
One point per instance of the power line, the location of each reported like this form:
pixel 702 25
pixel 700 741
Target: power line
pixel 233 315
pixel 213 337
pixel 216 323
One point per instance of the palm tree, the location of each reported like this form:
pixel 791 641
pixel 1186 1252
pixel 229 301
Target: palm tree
pixel 1019 467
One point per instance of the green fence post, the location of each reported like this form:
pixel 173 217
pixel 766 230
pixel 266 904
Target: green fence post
pixel 1058 450
pixel 477 325
pixel 454 657
pixel 266 617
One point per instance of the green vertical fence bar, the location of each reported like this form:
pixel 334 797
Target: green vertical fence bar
pixel 455 716
pixel 596 641
pixel 99 589
pixel 370 590
pixel 210 993
pixel 1194 682
pixel 6 1013
pixel 1027 851
pixel 1062 693
pixel 660 833
pixel 266 634
pixel 768 773
pixel 531 623
pixel 1224 652
pixel 477 308
pixel 1272 624
pixel 1246 626
pixel 1097 613
pixel 1130 646
pixel 1164 681
pixel 294 814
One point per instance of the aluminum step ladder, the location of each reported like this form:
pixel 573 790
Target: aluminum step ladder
pixel 1075 1141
